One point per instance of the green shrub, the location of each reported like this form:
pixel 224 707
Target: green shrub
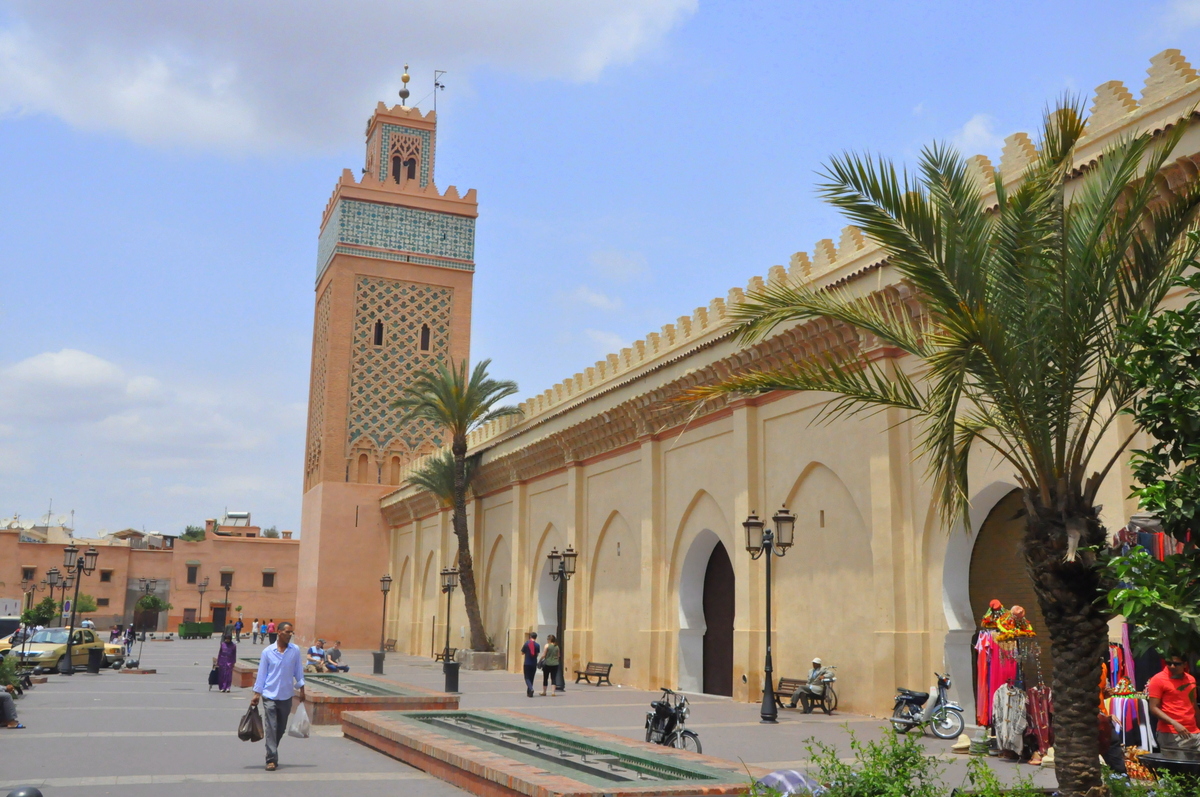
pixel 896 766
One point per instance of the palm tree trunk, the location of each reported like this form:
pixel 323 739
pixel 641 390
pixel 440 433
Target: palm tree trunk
pixel 466 570
pixel 1071 596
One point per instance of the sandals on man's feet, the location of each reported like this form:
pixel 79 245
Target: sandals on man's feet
pixel 271 766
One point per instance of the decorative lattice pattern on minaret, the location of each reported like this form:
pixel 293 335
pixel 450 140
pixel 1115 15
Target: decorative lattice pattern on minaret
pixel 316 390
pixel 379 373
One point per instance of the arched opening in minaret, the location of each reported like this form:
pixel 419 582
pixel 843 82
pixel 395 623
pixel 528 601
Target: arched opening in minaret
pixel 363 468
pixel 397 167
pixel 377 335
pixel 403 167
pixel 394 474
pixel 424 337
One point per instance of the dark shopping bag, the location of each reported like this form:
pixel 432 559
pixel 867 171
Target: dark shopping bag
pixel 250 729
pixel 214 677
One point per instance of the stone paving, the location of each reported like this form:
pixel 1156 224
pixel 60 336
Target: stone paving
pixel 166 734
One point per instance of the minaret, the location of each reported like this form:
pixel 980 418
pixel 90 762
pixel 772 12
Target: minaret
pixel 395 261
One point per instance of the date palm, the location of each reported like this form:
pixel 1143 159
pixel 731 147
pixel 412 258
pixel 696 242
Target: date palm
pixel 436 475
pixel 457 403
pixel 1025 299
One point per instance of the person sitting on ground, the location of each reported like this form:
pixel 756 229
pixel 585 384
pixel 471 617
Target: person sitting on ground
pixel 1173 703
pixel 333 659
pixel 316 657
pixel 8 709
pixel 814 687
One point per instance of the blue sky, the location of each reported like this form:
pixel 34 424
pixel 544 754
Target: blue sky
pixel 163 168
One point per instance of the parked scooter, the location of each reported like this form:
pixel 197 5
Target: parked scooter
pixel 664 725
pixel 943 717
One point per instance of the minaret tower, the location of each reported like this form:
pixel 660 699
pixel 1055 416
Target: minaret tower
pixel 395 261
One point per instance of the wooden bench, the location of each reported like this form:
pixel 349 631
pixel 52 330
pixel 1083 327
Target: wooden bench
pixel 441 654
pixel 390 646
pixel 787 687
pixel 594 669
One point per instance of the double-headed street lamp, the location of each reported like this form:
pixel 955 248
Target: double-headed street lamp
pixel 449 668
pixel 78 566
pixel 146 587
pixel 761 541
pixel 385 586
pixel 202 587
pixel 562 567
pixel 56 581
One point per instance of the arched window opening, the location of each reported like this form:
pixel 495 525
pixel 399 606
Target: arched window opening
pixel 395 471
pixel 424 337
pixel 410 167
pixel 397 167
pixel 377 335
pixel 363 468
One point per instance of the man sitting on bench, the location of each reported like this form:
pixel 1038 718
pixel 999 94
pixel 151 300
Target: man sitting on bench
pixel 316 657
pixel 814 689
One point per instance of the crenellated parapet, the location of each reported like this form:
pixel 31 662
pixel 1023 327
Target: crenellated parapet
pixel 1171 90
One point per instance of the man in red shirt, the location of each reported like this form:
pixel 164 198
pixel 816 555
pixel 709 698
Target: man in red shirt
pixel 1173 702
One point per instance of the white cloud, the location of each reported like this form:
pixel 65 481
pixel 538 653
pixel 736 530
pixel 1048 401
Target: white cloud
pixel 606 342
pixel 265 76
pixel 977 136
pixel 619 266
pixel 593 298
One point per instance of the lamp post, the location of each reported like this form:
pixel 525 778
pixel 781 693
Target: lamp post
pixel 78 566
pixel 562 567
pixel 53 577
pixel 30 592
pixel 226 583
pixel 761 541
pixel 146 587
pixel 385 586
pixel 202 587
pixel 449 668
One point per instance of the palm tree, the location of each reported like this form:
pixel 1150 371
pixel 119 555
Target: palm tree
pixel 449 399
pixel 436 475
pixel 1024 304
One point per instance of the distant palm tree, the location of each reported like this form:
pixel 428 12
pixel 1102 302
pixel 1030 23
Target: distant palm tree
pixel 1025 302
pixel 436 475
pixel 446 397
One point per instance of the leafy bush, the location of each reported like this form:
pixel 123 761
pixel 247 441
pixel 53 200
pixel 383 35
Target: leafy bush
pixel 8 671
pixel 897 766
pixel 193 534
pixel 152 603
pixel 42 613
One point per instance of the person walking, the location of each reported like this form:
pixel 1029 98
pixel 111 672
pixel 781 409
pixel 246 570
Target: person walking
pixel 225 659
pixel 237 629
pixel 280 675
pixel 129 635
pixel 254 629
pixel 271 629
pixel 550 665
pixel 530 649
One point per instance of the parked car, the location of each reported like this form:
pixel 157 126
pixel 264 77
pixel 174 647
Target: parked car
pixel 114 654
pixel 48 646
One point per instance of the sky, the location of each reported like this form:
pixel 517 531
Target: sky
pixel 164 166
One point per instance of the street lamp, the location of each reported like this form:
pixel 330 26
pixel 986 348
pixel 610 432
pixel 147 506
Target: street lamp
pixel 146 587
pixel 562 567
pixel 30 592
pixel 449 668
pixel 78 566
pixel 226 583
pixel 202 587
pixel 53 578
pixel 761 541
pixel 385 586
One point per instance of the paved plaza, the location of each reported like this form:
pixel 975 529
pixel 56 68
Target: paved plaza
pixel 167 734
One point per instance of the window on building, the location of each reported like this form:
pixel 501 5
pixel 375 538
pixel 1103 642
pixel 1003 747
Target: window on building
pixel 192 571
pixel 363 468
pixel 394 471
pixel 397 167
pixel 226 580
pixel 377 335
pixel 106 576
pixel 101 601
pixel 424 337
pixel 268 579
pixel 28 573
pixel 189 615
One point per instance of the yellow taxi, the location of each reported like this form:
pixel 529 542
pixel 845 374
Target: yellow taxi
pixel 48 647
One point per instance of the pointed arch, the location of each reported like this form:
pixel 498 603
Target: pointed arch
pixel 497 592
pixel 543 593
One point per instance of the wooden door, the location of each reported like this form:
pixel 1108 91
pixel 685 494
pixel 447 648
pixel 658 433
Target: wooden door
pixel 718 620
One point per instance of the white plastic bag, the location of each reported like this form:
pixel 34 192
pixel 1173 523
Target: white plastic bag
pixel 298 724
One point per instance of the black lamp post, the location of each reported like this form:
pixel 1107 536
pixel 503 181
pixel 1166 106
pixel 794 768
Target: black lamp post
pixel 146 587
pixel 385 586
pixel 30 592
pixel 450 668
pixel 762 541
pixel 226 583
pixel 53 578
pixel 78 566
pixel 202 587
pixel 562 567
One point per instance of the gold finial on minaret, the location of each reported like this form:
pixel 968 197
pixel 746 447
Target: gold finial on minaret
pixel 404 89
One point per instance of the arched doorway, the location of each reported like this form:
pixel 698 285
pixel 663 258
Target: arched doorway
pixel 998 570
pixel 718 622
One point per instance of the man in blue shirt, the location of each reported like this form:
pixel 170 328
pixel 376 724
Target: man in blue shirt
pixel 280 665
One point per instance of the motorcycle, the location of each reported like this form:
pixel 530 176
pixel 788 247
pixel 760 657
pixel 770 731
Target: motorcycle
pixel 943 716
pixel 664 724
